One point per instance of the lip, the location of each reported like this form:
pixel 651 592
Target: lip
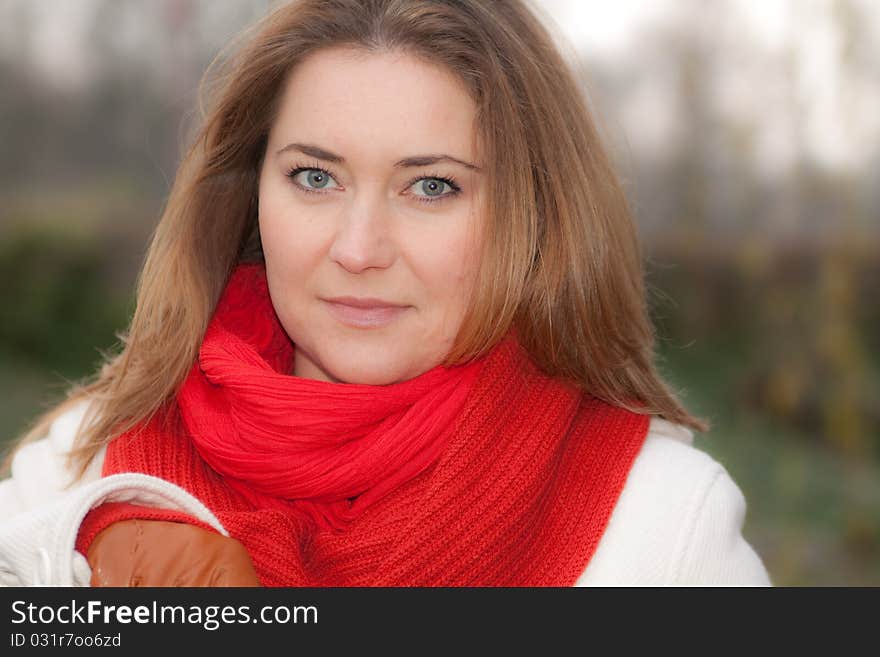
pixel 364 312
pixel 365 302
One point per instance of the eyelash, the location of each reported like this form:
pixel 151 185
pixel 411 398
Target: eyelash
pixel 449 180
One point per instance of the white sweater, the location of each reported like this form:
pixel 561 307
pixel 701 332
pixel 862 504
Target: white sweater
pixel 678 520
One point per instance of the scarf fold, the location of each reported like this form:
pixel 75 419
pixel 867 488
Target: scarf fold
pixel 490 473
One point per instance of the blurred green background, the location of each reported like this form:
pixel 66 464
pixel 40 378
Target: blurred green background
pixel 751 161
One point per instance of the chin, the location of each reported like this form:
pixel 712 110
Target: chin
pixel 369 374
pixel 366 365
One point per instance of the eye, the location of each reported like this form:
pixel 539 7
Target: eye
pixel 433 186
pixel 316 178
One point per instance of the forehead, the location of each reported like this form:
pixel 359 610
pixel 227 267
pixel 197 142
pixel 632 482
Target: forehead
pixel 346 97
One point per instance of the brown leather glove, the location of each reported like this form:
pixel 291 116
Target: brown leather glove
pixel 161 553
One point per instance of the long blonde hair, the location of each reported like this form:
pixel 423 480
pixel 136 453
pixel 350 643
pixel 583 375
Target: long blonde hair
pixel 561 264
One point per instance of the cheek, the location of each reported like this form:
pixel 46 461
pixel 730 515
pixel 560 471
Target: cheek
pixel 463 259
pixel 450 265
pixel 291 237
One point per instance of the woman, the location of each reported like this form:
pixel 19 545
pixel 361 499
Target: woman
pixel 391 330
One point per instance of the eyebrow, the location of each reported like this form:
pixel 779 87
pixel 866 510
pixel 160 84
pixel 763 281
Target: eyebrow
pixel 414 161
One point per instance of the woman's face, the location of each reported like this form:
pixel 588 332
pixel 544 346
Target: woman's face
pixel 370 214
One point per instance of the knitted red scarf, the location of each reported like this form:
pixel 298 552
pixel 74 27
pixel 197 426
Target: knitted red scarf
pixel 485 474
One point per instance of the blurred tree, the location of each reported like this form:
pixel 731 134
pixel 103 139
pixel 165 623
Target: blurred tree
pixel 839 343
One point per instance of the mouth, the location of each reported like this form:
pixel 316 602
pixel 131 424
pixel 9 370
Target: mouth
pixel 364 313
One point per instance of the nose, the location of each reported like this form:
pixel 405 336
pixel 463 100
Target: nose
pixel 362 240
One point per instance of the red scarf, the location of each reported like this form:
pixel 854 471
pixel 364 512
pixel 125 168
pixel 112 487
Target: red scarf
pixel 489 473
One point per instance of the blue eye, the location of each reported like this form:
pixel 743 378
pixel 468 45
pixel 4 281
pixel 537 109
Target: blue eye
pixel 317 178
pixel 432 184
